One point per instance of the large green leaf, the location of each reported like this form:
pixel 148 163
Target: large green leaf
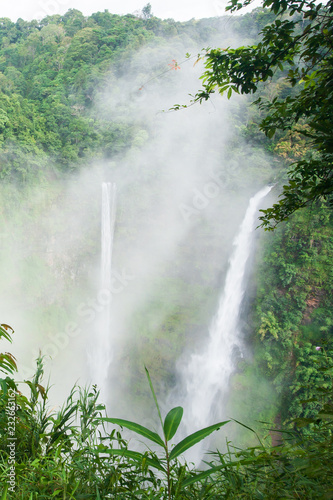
pixel 172 421
pixel 138 457
pixel 139 429
pixel 194 438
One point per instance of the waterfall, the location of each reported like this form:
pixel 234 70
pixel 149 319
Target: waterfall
pixel 108 218
pixel 100 354
pixel 206 375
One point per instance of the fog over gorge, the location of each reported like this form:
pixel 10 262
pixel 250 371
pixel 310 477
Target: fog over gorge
pixel 183 187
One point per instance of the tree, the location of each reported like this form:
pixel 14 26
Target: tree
pixel 298 44
pixel 146 11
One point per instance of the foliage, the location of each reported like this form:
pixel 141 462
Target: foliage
pixel 53 72
pixel 299 467
pixel 73 454
pixel 7 361
pixel 55 451
pixel 70 453
pixel 293 309
pixel 146 11
pixel 50 74
pixel 297 45
pixel 169 427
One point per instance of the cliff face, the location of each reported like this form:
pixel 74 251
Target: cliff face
pixel 294 306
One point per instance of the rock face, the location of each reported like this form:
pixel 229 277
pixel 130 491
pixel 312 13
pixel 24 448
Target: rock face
pixel 312 303
pixel 276 434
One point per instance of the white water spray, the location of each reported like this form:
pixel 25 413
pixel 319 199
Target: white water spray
pixel 100 355
pixel 206 375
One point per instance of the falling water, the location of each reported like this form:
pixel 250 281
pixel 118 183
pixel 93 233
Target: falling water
pixel 100 354
pixel 206 375
pixel 107 231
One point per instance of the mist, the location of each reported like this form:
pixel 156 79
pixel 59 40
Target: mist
pixel 183 186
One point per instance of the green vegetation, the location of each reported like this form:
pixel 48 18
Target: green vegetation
pixel 290 318
pixel 294 308
pixel 170 427
pixel 71 454
pixel 50 74
pixel 297 48
pixel 54 72
pixel 54 75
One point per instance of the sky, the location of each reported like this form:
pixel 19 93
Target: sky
pixel 180 10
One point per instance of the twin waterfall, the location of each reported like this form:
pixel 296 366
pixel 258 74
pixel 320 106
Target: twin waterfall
pixel 206 375
pixel 100 354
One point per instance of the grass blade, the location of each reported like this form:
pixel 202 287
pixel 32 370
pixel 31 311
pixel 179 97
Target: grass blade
pixel 138 457
pixel 4 493
pixel 154 395
pixel 208 472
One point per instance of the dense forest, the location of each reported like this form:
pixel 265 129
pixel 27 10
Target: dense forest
pixel 89 99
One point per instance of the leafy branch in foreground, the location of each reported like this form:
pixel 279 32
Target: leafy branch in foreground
pixel 169 426
pixel 299 45
pixel 7 361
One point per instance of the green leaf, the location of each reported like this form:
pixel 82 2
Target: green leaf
pixel 229 93
pixel 139 429
pixel 6 331
pixel 243 425
pixel 138 457
pixel 201 476
pixel 172 421
pixel 154 395
pixel 303 422
pixel 4 494
pixel 325 415
pixel 3 386
pixel 194 438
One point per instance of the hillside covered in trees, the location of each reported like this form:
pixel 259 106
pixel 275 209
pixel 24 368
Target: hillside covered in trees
pixel 53 71
pixel 89 99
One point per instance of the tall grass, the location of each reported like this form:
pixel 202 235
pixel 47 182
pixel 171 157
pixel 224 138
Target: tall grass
pixel 71 454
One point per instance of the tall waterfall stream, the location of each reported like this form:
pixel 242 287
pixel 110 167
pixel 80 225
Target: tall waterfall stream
pixel 206 374
pixel 100 354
